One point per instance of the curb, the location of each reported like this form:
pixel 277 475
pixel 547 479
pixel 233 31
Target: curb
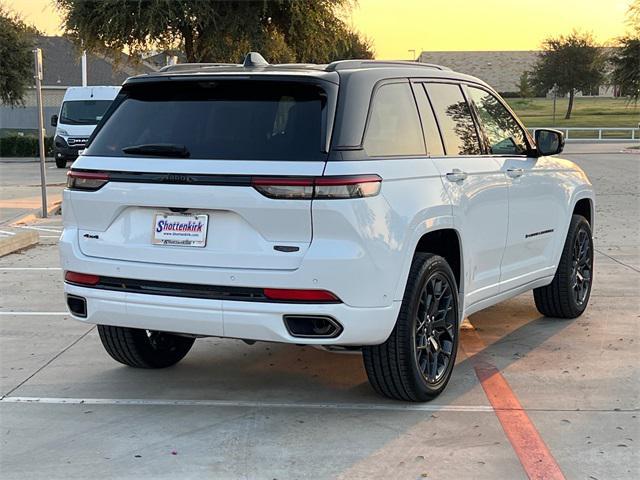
pixel 17 242
pixel 25 160
pixel 54 209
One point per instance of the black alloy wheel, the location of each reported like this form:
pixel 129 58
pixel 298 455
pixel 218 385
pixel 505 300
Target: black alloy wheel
pixel 435 328
pixel 416 361
pixel 582 266
pixel 567 296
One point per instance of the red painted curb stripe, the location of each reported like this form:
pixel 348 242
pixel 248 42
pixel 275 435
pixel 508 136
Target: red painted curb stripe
pixel 533 453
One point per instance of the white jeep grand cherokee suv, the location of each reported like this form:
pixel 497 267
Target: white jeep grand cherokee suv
pixel 359 204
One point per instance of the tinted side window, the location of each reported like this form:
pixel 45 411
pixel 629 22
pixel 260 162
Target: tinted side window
pixel 394 126
pixel 504 135
pixel 429 124
pixel 455 120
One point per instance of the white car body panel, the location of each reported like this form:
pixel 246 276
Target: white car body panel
pixel 480 211
pixel 244 225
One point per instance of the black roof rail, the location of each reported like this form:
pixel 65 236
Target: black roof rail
pixel 252 59
pixel 351 64
pixel 194 66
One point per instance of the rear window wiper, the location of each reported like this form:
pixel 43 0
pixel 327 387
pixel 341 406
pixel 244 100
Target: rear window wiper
pixel 158 149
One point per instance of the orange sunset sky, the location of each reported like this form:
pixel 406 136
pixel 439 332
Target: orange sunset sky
pixel 397 26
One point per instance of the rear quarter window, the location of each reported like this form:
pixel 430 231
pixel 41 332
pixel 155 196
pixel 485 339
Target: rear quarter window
pixel 232 120
pixel 394 127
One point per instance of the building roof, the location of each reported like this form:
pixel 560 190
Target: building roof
pixel 500 69
pixel 61 65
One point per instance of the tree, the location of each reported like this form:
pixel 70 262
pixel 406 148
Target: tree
pixel 633 16
pixel 524 86
pixel 626 60
pixel 16 58
pixel 573 63
pixel 626 67
pixel 220 31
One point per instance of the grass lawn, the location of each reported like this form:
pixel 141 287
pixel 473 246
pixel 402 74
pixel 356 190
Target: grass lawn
pixel 587 112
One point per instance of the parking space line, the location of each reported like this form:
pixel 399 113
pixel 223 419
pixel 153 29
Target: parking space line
pixel 40 229
pixel 320 406
pixel 48 362
pixel 533 453
pixel 33 313
pixel 250 404
pixel 17 269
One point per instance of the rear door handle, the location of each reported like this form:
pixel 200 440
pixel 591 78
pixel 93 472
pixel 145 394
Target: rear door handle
pixel 456 175
pixel 515 172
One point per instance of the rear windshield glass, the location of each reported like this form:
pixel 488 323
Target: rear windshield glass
pixel 83 112
pixel 234 120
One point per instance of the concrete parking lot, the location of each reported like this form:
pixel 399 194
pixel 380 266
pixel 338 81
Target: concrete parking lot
pixel 271 411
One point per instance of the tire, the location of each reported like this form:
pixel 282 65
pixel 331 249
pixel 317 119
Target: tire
pixel 144 348
pixel 401 368
pixel 567 296
pixel 61 163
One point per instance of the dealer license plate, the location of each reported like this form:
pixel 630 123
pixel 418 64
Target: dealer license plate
pixel 180 230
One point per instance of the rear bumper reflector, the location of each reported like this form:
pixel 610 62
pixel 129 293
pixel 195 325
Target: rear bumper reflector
pixel 190 290
pixel 81 278
pixel 300 295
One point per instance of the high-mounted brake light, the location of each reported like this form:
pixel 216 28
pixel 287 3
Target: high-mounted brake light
pixel 306 188
pixel 81 278
pixel 88 181
pixel 295 295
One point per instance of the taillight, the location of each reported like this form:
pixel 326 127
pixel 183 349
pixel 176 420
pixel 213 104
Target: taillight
pixel 81 278
pixel 284 188
pixel 356 186
pixel 306 188
pixel 88 181
pixel 295 295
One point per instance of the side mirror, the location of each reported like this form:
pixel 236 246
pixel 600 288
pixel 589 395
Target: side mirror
pixel 549 142
pixel 54 120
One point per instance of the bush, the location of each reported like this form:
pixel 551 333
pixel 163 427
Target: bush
pixel 24 146
pixel 510 94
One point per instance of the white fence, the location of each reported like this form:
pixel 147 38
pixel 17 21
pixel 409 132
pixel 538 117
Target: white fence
pixel 601 134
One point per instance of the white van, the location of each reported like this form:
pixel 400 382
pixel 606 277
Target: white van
pixel 81 110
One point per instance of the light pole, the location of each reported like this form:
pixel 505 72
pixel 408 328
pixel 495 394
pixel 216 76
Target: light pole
pixel 555 95
pixel 37 61
pixel 413 54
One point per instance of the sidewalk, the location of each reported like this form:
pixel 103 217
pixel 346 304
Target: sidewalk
pixel 20 192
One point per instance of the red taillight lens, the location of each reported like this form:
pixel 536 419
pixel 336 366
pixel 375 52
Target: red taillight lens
pixel 81 278
pixel 357 186
pixel 285 294
pixel 89 181
pixel 285 187
pixel 306 188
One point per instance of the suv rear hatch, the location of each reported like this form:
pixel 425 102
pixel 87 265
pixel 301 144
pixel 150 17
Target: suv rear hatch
pixel 189 171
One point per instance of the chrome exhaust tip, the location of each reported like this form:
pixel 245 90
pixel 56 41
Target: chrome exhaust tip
pixel 312 326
